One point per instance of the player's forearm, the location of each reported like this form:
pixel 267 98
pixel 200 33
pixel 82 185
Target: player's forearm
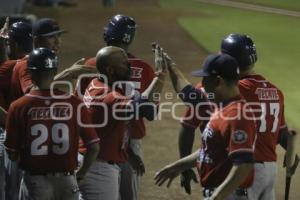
pixel 155 88
pixel 291 148
pixel 89 157
pixel 75 71
pixel 178 79
pixel 283 137
pixel 187 162
pixel 235 178
pixel 186 141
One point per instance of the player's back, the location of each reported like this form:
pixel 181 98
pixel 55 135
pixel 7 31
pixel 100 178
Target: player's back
pixel 49 132
pixel 267 102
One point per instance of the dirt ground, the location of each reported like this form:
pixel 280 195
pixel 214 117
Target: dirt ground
pixel 85 23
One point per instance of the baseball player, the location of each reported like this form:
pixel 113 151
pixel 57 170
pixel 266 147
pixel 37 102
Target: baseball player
pixel 46 138
pixel 46 33
pixel 226 157
pixel 120 32
pixel 19 43
pixel 102 180
pixel 267 100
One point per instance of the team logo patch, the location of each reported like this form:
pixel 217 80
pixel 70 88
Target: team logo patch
pixel 239 137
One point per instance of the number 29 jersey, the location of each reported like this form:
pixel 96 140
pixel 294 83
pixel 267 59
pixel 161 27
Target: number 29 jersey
pixel 44 130
pixel 267 103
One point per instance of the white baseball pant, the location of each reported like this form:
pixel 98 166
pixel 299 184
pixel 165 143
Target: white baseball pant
pixel 52 186
pixel 102 182
pixel 264 181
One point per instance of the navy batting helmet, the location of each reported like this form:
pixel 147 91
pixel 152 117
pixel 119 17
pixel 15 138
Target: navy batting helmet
pixel 42 59
pixel 241 47
pixel 21 33
pixel 121 29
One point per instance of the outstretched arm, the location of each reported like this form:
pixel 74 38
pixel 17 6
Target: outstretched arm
pixel 158 82
pixel 3 36
pixel 74 72
pixel 171 171
pixel 235 178
pixel 178 80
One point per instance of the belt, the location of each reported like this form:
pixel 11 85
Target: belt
pixel 52 173
pixel 108 162
pixel 207 192
pixel 261 162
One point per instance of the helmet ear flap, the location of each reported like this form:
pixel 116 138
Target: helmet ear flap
pixel 250 50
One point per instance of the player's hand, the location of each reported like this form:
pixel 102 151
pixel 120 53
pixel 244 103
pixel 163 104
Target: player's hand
pixel 160 59
pixel 168 173
pixel 4 29
pixel 185 179
pixel 136 163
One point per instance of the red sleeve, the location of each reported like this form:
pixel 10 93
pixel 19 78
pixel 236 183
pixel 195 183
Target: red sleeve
pixel 5 73
pixel 15 87
pixel 12 131
pixel 25 78
pixel 88 135
pixel 242 136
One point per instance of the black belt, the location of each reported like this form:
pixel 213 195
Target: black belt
pixel 261 162
pixel 207 192
pixel 112 162
pixel 51 173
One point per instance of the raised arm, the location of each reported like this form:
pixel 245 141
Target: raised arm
pixel 75 71
pixel 3 37
pixel 158 82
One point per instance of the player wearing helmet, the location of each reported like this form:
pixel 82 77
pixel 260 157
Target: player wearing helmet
pixel 46 138
pixel 226 157
pixel 18 44
pixel 120 32
pixel 46 33
pixel 103 179
pixel 266 99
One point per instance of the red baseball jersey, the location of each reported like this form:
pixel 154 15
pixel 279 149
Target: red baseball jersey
pixel 6 70
pixel 229 137
pixel 21 80
pixel 47 131
pixel 142 75
pixel 100 100
pixel 267 102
